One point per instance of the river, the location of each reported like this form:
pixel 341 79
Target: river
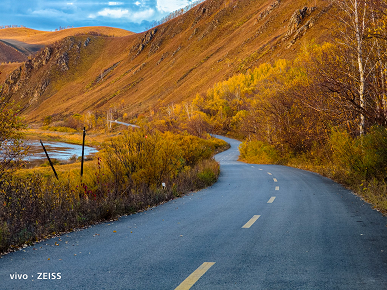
pixel 56 150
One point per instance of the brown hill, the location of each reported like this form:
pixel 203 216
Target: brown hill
pixel 32 36
pixel 9 53
pixel 16 51
pixel 170 63
pixel 16 44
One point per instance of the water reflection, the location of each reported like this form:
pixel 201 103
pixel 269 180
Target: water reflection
pixel 56 150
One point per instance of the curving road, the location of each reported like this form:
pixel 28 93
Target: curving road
pixel 258 227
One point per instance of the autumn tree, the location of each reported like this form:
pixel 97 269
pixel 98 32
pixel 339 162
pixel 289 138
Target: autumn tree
pixel 141 158
pixel 12 147
pixel 349 72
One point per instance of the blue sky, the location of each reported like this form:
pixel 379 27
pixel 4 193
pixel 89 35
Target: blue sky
pixel 133 15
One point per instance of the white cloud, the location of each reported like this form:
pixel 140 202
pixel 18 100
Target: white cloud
pixel 132 16
pixel 170 5
pixel 138 3
pixel 113 13
pixel 138 17
pixel 115 3
pixel 49 13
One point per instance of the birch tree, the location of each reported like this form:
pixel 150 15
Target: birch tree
pixel 362 43
pixel 355 24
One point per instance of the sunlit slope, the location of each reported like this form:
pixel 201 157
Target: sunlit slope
pixel 170 63
pixel 32 36
pixel 17 44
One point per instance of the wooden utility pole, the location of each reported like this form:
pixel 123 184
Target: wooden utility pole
pixel 83 149
pixel 49 160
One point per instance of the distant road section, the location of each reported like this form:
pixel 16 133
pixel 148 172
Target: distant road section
pixel 122 123
pixel 258 227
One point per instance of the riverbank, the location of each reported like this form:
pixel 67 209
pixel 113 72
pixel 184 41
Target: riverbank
pixel 63 147
pixel 135 171
pixel 94 139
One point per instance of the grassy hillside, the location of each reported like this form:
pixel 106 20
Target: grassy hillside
pixel 17 44
pixel 168 64
pixel 8 53
pixel 32 36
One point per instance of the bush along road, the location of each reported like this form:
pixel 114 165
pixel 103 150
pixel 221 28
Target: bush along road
pixel 258 227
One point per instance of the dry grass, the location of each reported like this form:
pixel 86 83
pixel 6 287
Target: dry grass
pixel 109 187
pixel 64 171
pixel 372 191
pixel 94 139
pixel 47 207
pixel 186 56
pixel 32 36
pixel 357 163
pixel 6 69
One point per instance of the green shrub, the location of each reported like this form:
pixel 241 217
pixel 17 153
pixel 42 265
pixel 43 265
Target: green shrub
pixel 374 152
pixel 47 120
pixel 4 235
pixel 207 176
pixel 363 157
pixel 128 178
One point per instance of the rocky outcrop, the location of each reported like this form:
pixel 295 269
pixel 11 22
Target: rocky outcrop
pixel 38 91
pixel 164 56
pixel 296 20
pixel 268 10
pixel 63 62
pixel 105 73
pixel 87 41
pixel 139 68
pixel 144 41
pixel 176 51
pixel 30 81
pixel 298 25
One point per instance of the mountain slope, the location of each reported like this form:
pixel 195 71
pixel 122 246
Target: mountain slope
pixel 32 36
pixel 170 63
pixel 9 53
pixel 16 44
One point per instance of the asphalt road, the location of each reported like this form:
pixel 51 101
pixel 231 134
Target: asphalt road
pixel 258 227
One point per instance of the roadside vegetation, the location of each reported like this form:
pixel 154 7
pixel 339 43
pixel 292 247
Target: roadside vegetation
pixel 285 115
pixel 324 111
pixel 135 170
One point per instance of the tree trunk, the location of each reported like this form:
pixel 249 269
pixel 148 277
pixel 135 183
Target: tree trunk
pixel 359 29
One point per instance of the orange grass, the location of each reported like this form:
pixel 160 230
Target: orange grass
pixel 186 56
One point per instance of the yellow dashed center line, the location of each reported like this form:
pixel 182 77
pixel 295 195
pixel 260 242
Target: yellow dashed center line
pixel 275 179
pixel 269 173
pixel 251 222
pixel 195 276
pixel 271 199
pixel 277 188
